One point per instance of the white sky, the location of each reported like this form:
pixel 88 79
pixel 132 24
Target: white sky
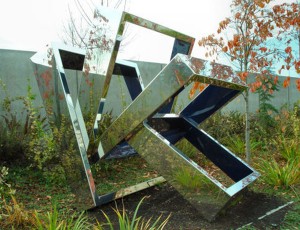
pixel 31 24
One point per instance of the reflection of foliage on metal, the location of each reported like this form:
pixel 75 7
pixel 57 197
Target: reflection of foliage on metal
pixel 224 72
pixel 98 40
pixel 197 86
pixel 189 179
pixel 50 55
pixel 197 65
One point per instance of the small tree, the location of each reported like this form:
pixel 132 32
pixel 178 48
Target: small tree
pixel 266 109
pixel 249 40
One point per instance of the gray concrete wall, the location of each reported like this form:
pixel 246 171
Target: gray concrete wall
pixel 16 73
pixel 16 69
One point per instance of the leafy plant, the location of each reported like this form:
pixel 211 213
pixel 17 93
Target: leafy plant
pixel 52 221
pixel 289 148
pixel 134 223
pixel 280 174
pixel 13 128
pixel 222 125
pixel 5 189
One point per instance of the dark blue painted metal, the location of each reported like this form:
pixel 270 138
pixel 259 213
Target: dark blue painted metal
pixel 174 129
pixel 180 47
pixel 64 81
pixel 131 79
pixel 217 153
pixel 208 102
pixel 71 60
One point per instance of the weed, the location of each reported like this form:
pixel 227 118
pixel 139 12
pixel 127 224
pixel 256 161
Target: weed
pixel 5 189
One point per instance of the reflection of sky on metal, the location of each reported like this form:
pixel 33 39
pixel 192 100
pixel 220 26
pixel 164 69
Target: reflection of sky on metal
pixel 107 22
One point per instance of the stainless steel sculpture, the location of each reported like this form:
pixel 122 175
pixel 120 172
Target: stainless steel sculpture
pixel 148 125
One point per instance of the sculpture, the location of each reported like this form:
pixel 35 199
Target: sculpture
pixel 148 125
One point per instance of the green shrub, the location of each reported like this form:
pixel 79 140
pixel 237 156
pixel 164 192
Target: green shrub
pixel 284 168
pixel 283 174
pixel 5 189
pixel 13 128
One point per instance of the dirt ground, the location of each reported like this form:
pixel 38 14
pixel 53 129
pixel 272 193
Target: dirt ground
pixel 165 199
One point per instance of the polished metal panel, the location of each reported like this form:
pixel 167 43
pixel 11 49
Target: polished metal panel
pixel 180 72
pixel 155 139
pixel 196 185
pixel 68 78
pixel 156 94
pixel 62 109
pixel 180 39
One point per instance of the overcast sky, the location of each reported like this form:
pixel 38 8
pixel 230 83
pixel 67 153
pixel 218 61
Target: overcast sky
pixel 31 24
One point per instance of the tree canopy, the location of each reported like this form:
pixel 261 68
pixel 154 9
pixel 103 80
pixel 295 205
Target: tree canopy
pixel 258 37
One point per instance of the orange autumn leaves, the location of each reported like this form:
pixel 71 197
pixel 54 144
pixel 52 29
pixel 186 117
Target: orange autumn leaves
pixel 287 81
pixel 267 84
pixel 244 36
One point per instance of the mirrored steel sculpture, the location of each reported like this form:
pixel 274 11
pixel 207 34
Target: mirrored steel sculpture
pixel 149 125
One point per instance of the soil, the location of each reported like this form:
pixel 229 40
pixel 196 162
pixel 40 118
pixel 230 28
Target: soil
pixel 164 200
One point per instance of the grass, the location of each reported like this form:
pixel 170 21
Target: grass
pixel 292 218
pixel 33 204
pixel 36 192
pixel 35 195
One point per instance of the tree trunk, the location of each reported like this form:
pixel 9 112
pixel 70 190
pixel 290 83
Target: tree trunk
pixel 247 129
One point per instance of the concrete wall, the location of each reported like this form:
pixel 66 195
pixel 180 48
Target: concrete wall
pixel 16 69
pixel 16 73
